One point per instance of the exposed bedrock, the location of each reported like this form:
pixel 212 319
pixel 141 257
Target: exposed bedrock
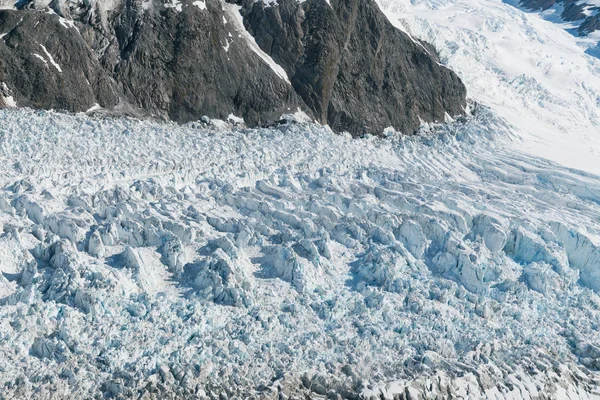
pixel 340 62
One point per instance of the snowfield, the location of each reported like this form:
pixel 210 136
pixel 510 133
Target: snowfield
pixel 142 260
pixel 527 68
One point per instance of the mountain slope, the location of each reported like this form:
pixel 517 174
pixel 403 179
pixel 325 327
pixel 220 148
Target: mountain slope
pixel 530 71
pixel 347 66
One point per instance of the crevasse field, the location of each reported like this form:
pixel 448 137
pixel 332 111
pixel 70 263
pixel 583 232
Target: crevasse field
pixel 147 260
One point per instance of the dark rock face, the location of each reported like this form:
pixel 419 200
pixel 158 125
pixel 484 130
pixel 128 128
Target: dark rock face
pixel 590 24
pixel 573 10
pixel 48 65
pixel 343 64
pixel 175 64
pixel 2 85
pixel 353 69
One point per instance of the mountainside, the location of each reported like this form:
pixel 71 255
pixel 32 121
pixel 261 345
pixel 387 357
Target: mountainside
pixel 585 12
pixel 340 62
pixel 532 72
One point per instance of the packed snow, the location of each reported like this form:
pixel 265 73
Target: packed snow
pixel 232 12
pixel 174 4
pixel 529 70
pixel 51 59
pixel 142 258
pixel 200 4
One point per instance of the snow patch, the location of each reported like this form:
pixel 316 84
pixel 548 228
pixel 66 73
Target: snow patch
pixel 67 23
pixel 299 116
pixel 50 58
pixel 235 120
pixel 200 4
pixel 93 108
pixel 8 100
pixel 233 12
pixel 174 4
pixel 40 58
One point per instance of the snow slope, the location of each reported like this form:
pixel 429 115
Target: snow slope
pixel 153 261
pixel 529 70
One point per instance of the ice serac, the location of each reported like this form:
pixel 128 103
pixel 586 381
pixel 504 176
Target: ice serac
pixel 340 62
pixel 136 261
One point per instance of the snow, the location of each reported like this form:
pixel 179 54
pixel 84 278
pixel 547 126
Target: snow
pixel 299 116
pixel 7 4
pixel 232 11
pixel 174 4
pixel 214 260
pixel 527 69
pixel 200 4
pixel 137 255
pixel 68 24
pixel 95 107
pixel 591 3
pixel 41 58
pixel 51 59
pixel 8 100
pixel 235 120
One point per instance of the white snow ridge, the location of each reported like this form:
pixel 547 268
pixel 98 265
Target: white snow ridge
pixel 141 260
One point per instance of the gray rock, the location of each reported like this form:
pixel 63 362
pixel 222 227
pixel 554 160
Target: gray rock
pixel 50 66
pixel 590 24
pixel 175 65
pixel 353 69
pixel 347 65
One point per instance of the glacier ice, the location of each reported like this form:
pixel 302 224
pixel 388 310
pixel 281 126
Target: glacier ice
pixel 147 259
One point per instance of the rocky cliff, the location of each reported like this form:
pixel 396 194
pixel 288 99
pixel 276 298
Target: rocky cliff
pixel 340 61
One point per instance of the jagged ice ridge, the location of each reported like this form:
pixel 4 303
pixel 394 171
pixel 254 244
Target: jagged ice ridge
pixel 141 259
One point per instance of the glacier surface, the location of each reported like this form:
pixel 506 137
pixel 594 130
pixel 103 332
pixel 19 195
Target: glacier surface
pixel 526 68
pixel 153 260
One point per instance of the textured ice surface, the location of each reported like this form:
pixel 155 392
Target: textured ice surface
pixel 529 70
pixel 141 259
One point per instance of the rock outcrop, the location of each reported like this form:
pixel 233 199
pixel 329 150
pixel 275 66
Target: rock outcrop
pixel 48 64
pixel 340 62
pixel 586 13
pixel 352 68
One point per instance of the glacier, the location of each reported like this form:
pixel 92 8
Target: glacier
pixel 152 260
pixel 526 68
